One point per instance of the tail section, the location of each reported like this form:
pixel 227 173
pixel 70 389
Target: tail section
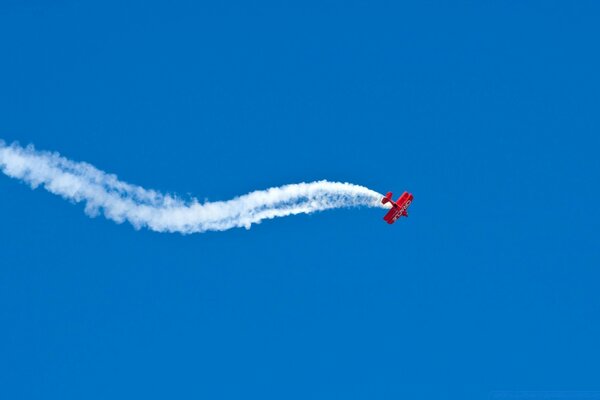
pixel 387 198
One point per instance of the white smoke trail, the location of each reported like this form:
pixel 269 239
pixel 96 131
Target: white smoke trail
pixel 120 201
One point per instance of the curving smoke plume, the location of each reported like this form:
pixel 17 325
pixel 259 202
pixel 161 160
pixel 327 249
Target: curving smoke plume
pixel 120 201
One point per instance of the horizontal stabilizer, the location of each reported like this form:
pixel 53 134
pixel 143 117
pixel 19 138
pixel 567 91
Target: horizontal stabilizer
pixel 387 198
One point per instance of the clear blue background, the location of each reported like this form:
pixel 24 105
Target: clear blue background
pixel 487 111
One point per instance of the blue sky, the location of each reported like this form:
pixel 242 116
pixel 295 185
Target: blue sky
pixel 488 113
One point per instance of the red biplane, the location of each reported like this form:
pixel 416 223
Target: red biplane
pixel 399 206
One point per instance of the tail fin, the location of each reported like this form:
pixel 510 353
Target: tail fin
pixel 387 198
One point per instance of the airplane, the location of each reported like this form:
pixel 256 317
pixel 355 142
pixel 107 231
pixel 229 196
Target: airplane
pixel 399 206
